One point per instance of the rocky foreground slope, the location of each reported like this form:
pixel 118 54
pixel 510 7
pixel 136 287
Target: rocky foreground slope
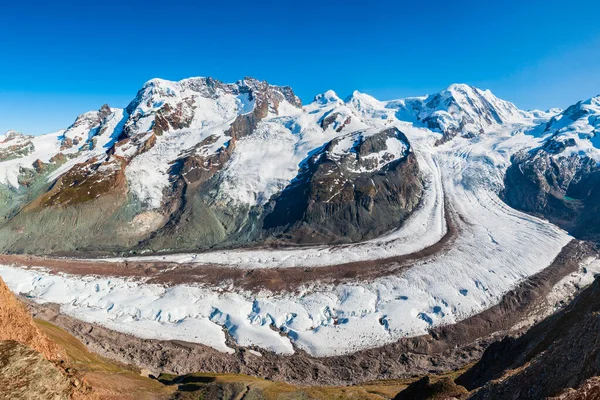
pixel 556 358
pixel 31 365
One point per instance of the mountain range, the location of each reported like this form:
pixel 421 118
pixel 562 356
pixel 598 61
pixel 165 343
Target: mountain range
pixel 200 164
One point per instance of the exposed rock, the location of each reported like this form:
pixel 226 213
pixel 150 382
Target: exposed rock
pixel 179 117
pixel 15 145
pixel 32 366
pixel 425 389
pixel 349 196
pixel 104 111
pixel 16 324
pixel 26 375
pixel 66 144
pixel 565 189
pixel 39 166
pixel 58 158
pixel 86 182
pixel 560 352
pixel 337 120
pixel 589 390
pixel 560 180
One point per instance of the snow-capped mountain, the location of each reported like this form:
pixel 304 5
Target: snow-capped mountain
pixel 199 163
pixel 559 178
pixel 575 130
pixel 459 110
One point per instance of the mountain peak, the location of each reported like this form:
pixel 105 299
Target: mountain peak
pixel 460 109
pixel 361 98
pixel 468 91
pixel 327 97
pixel 460 87
pixel 157 82
pixel 594 101
pixel 579 124
pixel 10 134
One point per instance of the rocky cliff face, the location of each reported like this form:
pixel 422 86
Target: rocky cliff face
pixel 355 187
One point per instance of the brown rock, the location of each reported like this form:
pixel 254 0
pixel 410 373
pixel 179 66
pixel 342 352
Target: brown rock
pixel 39 166
pixel 26 375
pixel 58 158
pixel 16 324
pixel 66 144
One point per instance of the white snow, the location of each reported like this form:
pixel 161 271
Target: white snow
pixel 257 168
pixel 44 147
pixel 147 174
pixel 580 124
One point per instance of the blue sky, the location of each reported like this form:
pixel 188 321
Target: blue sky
pixel 61 58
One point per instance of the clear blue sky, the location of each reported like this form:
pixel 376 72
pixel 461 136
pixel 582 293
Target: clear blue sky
pixel 61 58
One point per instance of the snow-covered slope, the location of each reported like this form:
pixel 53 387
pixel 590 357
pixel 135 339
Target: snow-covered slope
pixel 459 110
pixel 576 130
pixel 20 151
pixel 92 134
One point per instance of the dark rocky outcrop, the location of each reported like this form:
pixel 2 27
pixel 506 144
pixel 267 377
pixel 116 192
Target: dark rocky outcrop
pixel 347 197
pixel 563 189
pixel 560 179
pixel 425 389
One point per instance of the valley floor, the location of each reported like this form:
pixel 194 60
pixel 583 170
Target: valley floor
pixel 443 348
